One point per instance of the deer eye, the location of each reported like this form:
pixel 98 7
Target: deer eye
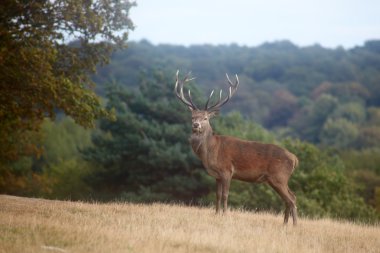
pixel 205 118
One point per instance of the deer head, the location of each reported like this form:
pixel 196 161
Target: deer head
pixel 200 117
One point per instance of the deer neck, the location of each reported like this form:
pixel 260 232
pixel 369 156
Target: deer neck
pixel 201 143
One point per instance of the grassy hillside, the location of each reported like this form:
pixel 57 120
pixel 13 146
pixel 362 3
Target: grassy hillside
pixel 37 225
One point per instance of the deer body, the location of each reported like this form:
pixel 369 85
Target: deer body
pixel 226 158
pixel 248 161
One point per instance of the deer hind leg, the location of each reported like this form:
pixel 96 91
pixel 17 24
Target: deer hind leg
pixel 288 197
pixel 294 208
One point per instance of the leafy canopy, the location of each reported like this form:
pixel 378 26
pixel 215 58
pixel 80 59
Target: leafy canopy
pixel 43 71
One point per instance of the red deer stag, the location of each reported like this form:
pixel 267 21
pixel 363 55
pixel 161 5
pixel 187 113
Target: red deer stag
pixel 227 158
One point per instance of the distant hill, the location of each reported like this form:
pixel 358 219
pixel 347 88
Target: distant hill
pixel 282 85
pixel 278 64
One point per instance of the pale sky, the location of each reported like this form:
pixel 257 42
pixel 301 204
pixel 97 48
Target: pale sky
pixel 330 23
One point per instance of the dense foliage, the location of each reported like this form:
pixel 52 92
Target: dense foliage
pixel 42 73
pixel 144 154
pixel 328 96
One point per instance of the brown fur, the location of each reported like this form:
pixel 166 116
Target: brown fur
pixel 227 158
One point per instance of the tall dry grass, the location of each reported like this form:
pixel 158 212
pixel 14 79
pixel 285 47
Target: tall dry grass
pixel 37 225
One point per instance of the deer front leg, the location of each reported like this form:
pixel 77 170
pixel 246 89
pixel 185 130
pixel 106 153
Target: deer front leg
pixel 226 189
pixel 219 191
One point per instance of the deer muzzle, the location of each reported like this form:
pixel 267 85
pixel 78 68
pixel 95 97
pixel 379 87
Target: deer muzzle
pixel 196 127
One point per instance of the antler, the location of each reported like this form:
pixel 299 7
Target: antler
pixel 180 94
pixel 220 103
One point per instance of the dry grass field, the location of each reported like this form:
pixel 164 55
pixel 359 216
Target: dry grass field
pixel 37 225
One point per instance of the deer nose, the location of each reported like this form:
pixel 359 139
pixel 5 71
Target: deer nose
pixel 196 125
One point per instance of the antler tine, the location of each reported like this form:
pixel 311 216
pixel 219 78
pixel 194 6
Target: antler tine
pixel 208 100
pixel 180 94
pixel 232 89
pixel 234 86
pixel 191 100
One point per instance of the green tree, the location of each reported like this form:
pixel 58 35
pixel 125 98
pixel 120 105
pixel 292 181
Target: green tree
pixel 144 155
pixel 309 122
pixel 339 133
pixel 363 166
pixel 282 109
pixel 58 172
pixel 234 124
pixel 322 187
pixel 352 111
pixel 42 73
pixel 61 162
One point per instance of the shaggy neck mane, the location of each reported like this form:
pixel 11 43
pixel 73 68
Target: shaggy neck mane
pixel 199 141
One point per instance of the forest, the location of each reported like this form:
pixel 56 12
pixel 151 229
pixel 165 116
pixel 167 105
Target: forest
pixel 128 141
pixel 323 104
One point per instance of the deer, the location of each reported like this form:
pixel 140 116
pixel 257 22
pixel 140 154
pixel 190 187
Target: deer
pixel 226 157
